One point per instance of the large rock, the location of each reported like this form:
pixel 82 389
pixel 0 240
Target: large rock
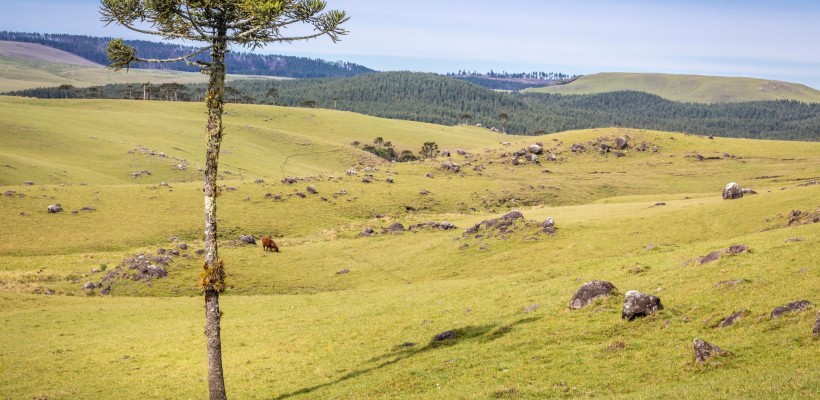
pixel 732 191
pixel 549 222
pixel 639 304
pixel 705 350
pixel 730 320
pixel 247 239
pixel 394 228
pixel 621 143
pixel 799 305
pixel 535 149
pixel 590 291
pixel 513 215
pixel 55 208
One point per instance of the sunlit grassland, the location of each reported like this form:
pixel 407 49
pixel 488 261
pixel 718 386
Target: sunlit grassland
pixel 19 74
pixel 690 88
pixel 294 327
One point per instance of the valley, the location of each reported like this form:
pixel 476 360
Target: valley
pixel 352 305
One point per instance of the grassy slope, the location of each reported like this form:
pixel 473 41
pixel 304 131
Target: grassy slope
pixel 18 74
pixel 690 88
pixel 293 328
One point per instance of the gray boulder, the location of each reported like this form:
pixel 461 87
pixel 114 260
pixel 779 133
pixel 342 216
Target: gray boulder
pixel 247 239
pixel 621 143
pixel 549 222
pixel 590 291
pixel 535 149
pixel 732 191
pixel 730 320
pixel 705 350
pixel 799 305
pixel 395 227
pixel 55 208
pixel 513 215
pixel 816 330
pixel 639 304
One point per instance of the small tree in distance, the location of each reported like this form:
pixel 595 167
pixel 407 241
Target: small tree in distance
pixel 216 24
pixel 429 150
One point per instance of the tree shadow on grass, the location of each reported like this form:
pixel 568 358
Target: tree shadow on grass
pixel 407 350
pixel 505 329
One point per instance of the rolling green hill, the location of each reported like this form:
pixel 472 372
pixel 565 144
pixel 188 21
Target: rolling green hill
pixel 437 99
pixel 339 314
pixel 19 74
pixel 688 88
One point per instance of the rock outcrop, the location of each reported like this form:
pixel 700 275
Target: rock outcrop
pixel 799 305
pixel 705 350
pixel 639 304
pixel 590 291
pixel 732 191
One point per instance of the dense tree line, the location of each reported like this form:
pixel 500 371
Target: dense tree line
pixel 93 49
pixel 441 100
pixel 540 75
pixel 513 81
pixel 500 84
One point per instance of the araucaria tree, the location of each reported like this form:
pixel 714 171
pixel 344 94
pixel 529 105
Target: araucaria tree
pixel 217 24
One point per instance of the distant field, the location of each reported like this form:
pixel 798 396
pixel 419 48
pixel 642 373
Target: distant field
pixel 690 88
pixel 18 74
pixel 38 52
pixel 342 315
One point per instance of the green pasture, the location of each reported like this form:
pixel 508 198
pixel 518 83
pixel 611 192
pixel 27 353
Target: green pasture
pixel 19 74
pixel 689 88
pixel 344 316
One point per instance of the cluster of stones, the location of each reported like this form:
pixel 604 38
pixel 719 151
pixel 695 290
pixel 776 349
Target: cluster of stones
pixel 637 305
pixel 505 224
pixel 398 227
pixel 605 145
pixel 798 217
pixel 180 164
pixel 715 255
pixel 531 154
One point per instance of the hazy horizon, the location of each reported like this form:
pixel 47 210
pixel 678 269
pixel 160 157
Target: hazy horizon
pixel 755 39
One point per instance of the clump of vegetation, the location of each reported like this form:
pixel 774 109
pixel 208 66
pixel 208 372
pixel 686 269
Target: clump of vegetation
pixel 384 149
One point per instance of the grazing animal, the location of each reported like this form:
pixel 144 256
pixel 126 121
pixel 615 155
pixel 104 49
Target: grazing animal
pixel 269 244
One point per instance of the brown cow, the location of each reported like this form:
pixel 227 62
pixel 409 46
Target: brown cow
pixel 269 244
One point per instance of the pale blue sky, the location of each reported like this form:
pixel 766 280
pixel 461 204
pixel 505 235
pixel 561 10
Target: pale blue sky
pixel 763 39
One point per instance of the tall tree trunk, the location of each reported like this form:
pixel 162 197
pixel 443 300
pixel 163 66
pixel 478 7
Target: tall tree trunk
pixel 213 275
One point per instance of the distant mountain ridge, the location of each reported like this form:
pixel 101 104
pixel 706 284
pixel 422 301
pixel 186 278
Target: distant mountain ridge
pixel 93 49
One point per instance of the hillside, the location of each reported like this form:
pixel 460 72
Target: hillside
pixel 38 52
pixel 442 100
pixel 351 306
pixel 242 63
pixel 21 74
pixel 688 88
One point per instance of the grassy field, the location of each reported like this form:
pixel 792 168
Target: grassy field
pixel 297 327
pixel 689 88
pixel 19 74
